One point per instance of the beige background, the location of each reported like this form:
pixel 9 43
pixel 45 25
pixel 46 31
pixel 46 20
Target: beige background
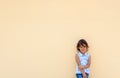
pixel 38 37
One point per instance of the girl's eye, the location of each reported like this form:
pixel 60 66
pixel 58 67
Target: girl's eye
pixel 82 47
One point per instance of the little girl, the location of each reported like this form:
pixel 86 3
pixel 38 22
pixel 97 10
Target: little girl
pixel 83 59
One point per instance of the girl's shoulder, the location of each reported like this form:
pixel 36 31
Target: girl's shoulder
pixel 87 54
pixel 79 54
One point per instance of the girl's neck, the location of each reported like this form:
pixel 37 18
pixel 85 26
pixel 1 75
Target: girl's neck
pixel 82 53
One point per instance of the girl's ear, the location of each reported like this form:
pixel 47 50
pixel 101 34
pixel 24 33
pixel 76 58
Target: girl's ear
pixel 87 49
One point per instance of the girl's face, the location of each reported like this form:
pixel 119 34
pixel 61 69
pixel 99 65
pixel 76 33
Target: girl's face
pixel 83 49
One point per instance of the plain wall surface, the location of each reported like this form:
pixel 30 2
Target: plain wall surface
pixel 38 37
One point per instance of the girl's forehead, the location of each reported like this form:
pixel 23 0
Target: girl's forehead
pixel 82 45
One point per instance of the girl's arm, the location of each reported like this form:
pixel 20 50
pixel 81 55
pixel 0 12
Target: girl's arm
pixel 89 62
pixel 81 68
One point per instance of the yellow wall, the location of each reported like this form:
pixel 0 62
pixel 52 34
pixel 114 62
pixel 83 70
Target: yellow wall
pixel 38 37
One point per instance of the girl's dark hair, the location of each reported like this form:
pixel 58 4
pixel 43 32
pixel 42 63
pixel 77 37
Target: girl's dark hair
pixel 81 42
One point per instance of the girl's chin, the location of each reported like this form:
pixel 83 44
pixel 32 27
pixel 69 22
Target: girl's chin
pixel 83 52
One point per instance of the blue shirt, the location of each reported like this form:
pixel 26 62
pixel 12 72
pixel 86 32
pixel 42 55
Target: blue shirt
pixel 83 61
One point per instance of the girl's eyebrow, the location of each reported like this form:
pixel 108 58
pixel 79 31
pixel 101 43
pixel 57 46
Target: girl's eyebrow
pixel 83 45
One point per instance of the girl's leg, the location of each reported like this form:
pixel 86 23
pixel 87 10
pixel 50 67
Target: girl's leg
pixel 78 75
pixel 87 75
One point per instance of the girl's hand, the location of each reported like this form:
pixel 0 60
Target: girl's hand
pixel 84 75
pixel 81 67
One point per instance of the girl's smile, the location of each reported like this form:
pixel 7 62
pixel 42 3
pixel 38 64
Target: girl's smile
pixel 83 49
